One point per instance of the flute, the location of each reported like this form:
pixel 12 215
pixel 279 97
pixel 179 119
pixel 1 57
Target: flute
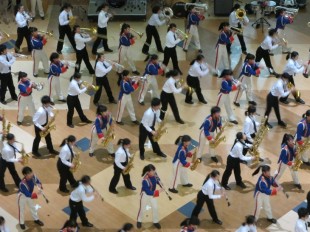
pixel 97 192
pixel 162 186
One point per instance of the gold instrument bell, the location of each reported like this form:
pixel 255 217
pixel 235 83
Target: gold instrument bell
pixel 240 14
pixel 91 89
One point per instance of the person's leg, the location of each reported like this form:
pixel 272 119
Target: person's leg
pixel 127 181
pixel 143 91
pixel 79 109
pixel 164 104
pixel 183 175
pixel 79 57
pixel 240 90
pixel 70 104
pixel 19 39
pixel 199 204
pixel 191 83
pixel 115 178
pixel 21 208
pixel 57 87
pixel 129 57
pixel 93 140
pixel 174 59
pixel 14 174
pixel 174 107
pixel 227 104
pixel 154 210
pixel 142 138
pixel 130 109
pixel 242 43
pixel 81 213
pixel 36 61
pixel 63 174
pixel 100 34
pixel 87 63
pixel 279 172
pixel 21 108
pixel 154 87
pixel 155 146
pixel 237 171
pixel 120 108
pixel 258 204
pixel 175 174
pixel 149 33
pixel 61 38
pixel 40 8
pixel 36 141
pixel 70 36
pixel 99 83
pixel 106 85
pixel 3 167
pixel 33 210
pixel 201 144
pixel 167 56
pixel 211 208
pixel 228 170
pixel 74 211
pixel 11 87
pixel 267 206
pixel 277 109
pixel 144 201
pixel 157 40
pixel 48 141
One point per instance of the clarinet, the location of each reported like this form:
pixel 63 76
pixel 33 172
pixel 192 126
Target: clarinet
pixel 162 186
pixel 97 192
pixel 226 197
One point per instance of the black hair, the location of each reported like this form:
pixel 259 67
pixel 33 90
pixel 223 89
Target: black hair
pixel 70 138
pixel 45 99
pixel 33 29
pixel 302 212
pixel 101 109
pixel 85 180
pixel 215 109
pixel 10 136
pixel 272 31
pixel 69 223
pixel 76 75
pixel 251 110
pixel 125 73
pixel 171 25
pixel 54 56
pixel 125 141
pixel 190 221
pixel 249 220
pixel 74 28
pixel 183 138
pixel 155 9
pixel 148 168
pixel 279 12
pixel 2 48
pixel 66 5
pixel 21 75
pixel 172 73
pixel 307 114
pixel 235 7
pixel 198 58
pixel 124 26
pixel 2 220
pixel 222 25
pixel 26 170
pixel 99 55
pixel 285 75
pixel 213 174
pixel 286 138
pixel 155 102
pixel 102 6
pixel 154 57
pixel 239 136
pixel 265 168
pixel 190 7
pixel 249 56
pixel 17 8
pixel 126 227
pixel 291 55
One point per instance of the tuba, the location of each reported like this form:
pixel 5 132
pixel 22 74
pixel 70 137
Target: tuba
pixel 168 14
pixel 49 127
pixel 76 162
pixel 218 139
pixel 161 130
pixel 299 151
pixel 129 166
pixel 93 30
pixel 195 160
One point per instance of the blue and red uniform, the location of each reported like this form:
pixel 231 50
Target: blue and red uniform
pixel 210 125
pixel 25 88
pixel 127 87
pixel 181 154
pixel 303 130
pixel 101 123
pixel 264 184
pixel 282 21
pixel 26 187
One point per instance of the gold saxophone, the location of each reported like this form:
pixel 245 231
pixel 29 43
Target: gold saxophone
pixel 295 93
pixel 195 161
pixel 218 139
pixel 5 127
pixel 161 130
pixel 300 149
pixel 25 156
pixel 76 162
pixel 109 137
pixel 49 127
pixel 129 166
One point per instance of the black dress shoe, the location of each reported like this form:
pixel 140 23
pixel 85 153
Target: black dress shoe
pixel 162 155
pixel 187 185
pixel 252 103
pixel 96 103
pixel 88 224
pixel 226 187
pixel 283 124
pixel 42 17
pixel 300 101
pixel 184 50
pixel 244 52
pixel 272 220
pixel 62 100
pixel 54 152
pixel 119 123
pixel 298 186
pixel 113 101
pixel 59 52
pixel 204 102
pixel 37 154
pixel 234 122
pixel 269 125
pixel 70 125
pixel 64 190
pixel 157 225
pixel 180 72
pixel 217 221
pixel 22 226
pixel 139 225
pixel 199 51
pixel 108 50
pixel 88 121
pixel 113 191
pixel 173 190
pixel 19 123
pixel 112 155
pixel 15 99
pixel 4 189
pixel 141 103
pixel 142 157
pixel 136 122
pixel 242 185
pixel 237 104
pixel 305 75
pixel 4 102
pixel 180 121
pixel 132 188
pixel 136 72
pixel 161 51
pixel 214 159
pixel 40 223
pixel 189 102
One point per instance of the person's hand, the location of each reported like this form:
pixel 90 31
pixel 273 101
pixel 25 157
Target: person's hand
pixel 20 160
pixel 154 132
pixel 279 188
pixel 43 129
pixel 72 166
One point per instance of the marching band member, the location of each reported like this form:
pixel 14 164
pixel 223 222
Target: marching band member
pixel 207 128
pixel 192 23
pixel 282 21
pixel 180 164
pixel 151 31
pixel 263 192
pixel 65 162
pixel 81 51
pixel 249 69
pixel 237 22
pixel 56 68
pixel 38 54
pixel 122 156
pixel 8 160
pixel 69 226
pixel 149 195
pixel 103 18
pixel 303 220
pixel 21 18
pixel 265 47
pixel 228 85
pixel 206 195
pixel 147 128
pixel 40 120
pixel 303 132
pixel 233 161
pixel 25 98
pixel 288 153
pixel 3 227
pixel 64 27
pixel 26 195
pixel 248 225
pixel 38 3
pixel 292 68
pixel 6 62
pixel 102 68
pixel 152 69
pixel 103 122
pixel 190 224
pixel 250 126
pixel 279 89
pixel 127 87
pixel 167 95
pixel 73 100
pixel 170 49
pixel 221 59
pixel 197 70
pixel 78 195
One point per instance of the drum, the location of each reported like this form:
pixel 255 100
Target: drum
pixel 178 9
pixel 116 3
pixel 270 5
pixel 255 6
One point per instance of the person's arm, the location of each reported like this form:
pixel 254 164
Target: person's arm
pixel 20 20
pixel 300 132
pixel 206 128
pixel 225 38
pixel 6 155
pixel 282 92
pixel 266 190
pixel 24 190
pixel 182 158
pixel 84 197
pixel 203 72
pixel 245 20
pixel 101 68
pixel 103 18
pixel 153 69
pixel 158 22
pixel 62 157
pixel 210 192
pixel 35 120
pixel 6 63
pixel 79 38
pixel 125 41
pixel 270 46
pixel 172 86
pixel 239 151
pixel 80 91
pixel 128 88
pixel 284 158
pixel 117 160
pixel 172 40
pixel 98 128
pixel 24 89
pixel 148 191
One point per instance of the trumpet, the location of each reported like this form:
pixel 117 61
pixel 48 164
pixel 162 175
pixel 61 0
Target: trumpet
pixel 49 33
pixel 288 12
pixel 140 34
pixel 18 55
pixel 93 30
pixel 118 66
pixel 181 34
pixel 69 64
pixel 28 16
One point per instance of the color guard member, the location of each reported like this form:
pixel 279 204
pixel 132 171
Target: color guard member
pixel 149 195
pixel 250 126
pixel 122 156
pixel 180 164
pixel 249 69
pixel 3 227
pixel 263 192
pixel 65 163
pixel 288 153
pixel 303 133
pixel 206 195
pixel 147 128
pixel 26 195
pixel 103 122
pixel 124 99
pixel 38 3
pixel 282 21
pixel 303 220
pixel 22 18
pixel 248 225
pixel 8 159
pixel 73 100
pixel 207 128
pixel 103 19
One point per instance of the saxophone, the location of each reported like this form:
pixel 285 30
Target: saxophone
pixel 218 139
pixel 195 161
pixel 49 127
pixel 161 130
pixel 25 156
pixel 76 162
pixel 300 149
pixel 109 137
pixel 5 127
pixel 129 166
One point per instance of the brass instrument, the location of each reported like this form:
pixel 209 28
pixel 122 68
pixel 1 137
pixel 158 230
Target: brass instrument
pixel 93 30
pixel 49 126
pixel 295 93
pixel 19 55
pixel 300 149
pixel 161 130
pixel 39 85
pixel 49 33
pixel 195 161
pixel 5 127
pixel 69 64
pixel 197 6
pixel 72 20
pixel 5 34
pixel 240 13
pixel 91 89
pixel 76 162
pixel 288 12
pixel 129 166
pixel 180 84
pixel 181 34
pixel 118 66
pixel 25 156
pixel 140 34
pixel 167 14
pixel 218 139
pixel 236 30
pixel 28 16
pixel 109 137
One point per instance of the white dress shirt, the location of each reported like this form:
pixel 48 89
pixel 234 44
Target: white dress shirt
pixel 171 39
pixel 120 157
pixel 63 17
pixel 233 20
pixel 148 118
pixel 277 90
pixel 5 65
pixel 236 151
pixel 301 226
pixel 248 127
pixel 39 118
pixel 247 228
pixel 21 19
pixel 65 155
pixel 267 43
pixel 208 189
pixel 74 88
pixel 169 86
pixel 103 19
pixel 80 41
pixel 198 70
pixel 4 228
pixel 102 70
pixel 79 194
pixel 8 153
pixel 155 21
pixel 292 67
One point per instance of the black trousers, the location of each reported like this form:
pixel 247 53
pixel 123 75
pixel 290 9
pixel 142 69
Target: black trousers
pixel 74 102
pixel 201 199
pixel 308 202
pixel 117 175
pixel 232 164
pixel 151 31
pixel 76 209
pixel 65 30
pixel 166 98
pixel 83 55
pixel 273 102
pixel 7 82
pixel 242 43
pixel 103 81
pixel 290 79
pixel 171 53
pixel 23 32
pixel 102 36
pixel 37 139
pixel 65 175
pixel 143 133
pixel 11 166
pixel 263 54
pixel 195 84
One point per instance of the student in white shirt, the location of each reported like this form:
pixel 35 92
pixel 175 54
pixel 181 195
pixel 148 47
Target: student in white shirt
pixel 103 19
pixel 248 225
pixel 83 192
pixel 22 18
pixel 250 126
pixel 73 100
pixel 3 227
pixel 302 222
pixel 81 51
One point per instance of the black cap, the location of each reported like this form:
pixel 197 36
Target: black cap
pixel 226 72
